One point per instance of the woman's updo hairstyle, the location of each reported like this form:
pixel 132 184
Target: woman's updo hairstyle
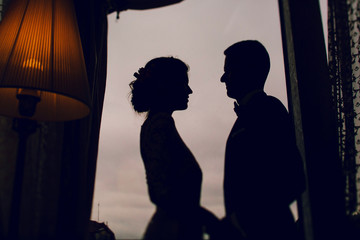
pixel 152 80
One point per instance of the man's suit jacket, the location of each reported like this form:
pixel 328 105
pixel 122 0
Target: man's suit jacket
pixel 263 168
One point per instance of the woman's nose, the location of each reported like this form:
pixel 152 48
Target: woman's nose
pixel 189 90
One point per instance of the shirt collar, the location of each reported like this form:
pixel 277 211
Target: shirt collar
pixel 246 99
pixel 240 107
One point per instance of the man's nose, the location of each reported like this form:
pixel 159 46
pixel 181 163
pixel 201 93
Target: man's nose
pixel 223 78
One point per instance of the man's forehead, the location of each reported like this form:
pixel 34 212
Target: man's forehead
pixel 233 61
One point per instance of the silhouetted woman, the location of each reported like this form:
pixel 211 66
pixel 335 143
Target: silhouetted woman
pixel 173 175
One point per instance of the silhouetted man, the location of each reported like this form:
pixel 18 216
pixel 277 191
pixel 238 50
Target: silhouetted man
pixel 263 169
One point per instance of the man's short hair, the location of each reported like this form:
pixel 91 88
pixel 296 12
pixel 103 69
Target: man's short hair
pixel 253 54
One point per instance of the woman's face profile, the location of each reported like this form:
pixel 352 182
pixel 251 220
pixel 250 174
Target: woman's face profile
pixel 178 92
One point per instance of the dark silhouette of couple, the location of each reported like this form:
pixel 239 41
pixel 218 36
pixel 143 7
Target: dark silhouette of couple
pixel 263 170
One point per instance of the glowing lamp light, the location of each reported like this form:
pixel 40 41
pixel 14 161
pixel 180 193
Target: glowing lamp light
pixel 42 67
pixel 34 64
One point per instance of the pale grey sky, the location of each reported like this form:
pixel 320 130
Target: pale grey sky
pixel 196 31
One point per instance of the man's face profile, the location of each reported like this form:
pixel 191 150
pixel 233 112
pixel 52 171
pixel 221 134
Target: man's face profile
pixel 235 78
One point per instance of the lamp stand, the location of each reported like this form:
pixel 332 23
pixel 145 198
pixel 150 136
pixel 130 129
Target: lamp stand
pixel 24 127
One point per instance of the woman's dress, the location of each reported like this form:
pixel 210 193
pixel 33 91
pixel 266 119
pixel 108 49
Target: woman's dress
pixel 174 181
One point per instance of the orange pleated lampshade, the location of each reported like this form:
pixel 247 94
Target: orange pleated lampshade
pixel 41 56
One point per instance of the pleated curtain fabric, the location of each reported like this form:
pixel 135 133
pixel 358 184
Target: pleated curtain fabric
pixel 344 67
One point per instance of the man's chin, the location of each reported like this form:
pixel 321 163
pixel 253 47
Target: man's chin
pixel 230 95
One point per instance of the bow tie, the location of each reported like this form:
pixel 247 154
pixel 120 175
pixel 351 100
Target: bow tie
pixel 239 109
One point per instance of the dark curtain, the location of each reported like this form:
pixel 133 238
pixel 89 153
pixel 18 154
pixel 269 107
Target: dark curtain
pixel 80 139
pixel 343 54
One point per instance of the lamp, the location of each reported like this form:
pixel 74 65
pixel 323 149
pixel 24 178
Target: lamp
pixel 41 62
pixel 42 74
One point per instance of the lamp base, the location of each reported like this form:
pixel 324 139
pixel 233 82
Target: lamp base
pixel 28 99
pixel 24 128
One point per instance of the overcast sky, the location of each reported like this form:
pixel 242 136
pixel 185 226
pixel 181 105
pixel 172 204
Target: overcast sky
pixel 196 31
